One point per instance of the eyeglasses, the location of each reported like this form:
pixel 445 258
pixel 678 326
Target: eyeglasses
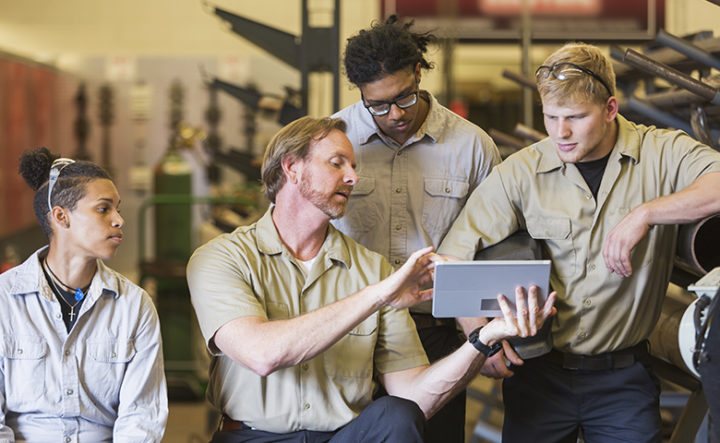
pixel 55 169
pixel 402 102
pixel 565 70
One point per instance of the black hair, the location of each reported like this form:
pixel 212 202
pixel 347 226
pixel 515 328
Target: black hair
pixel 69 188
pixel 385 49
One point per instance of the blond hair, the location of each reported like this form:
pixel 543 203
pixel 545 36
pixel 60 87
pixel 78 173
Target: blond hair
pixel 293 140
pixel 584 88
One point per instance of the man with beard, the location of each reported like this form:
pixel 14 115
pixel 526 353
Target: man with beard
pixel 302 322
pixel 418 162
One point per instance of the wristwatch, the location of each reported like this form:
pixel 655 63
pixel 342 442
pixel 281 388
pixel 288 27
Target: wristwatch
pixel 488 351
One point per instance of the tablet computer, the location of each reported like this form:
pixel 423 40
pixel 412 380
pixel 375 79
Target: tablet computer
pixel 470 288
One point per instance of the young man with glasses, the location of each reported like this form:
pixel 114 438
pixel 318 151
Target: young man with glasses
pixel 604 196
pixel 417 162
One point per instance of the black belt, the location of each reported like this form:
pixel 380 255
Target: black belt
pixel 423 321
pixel 620 359
pixel 228 424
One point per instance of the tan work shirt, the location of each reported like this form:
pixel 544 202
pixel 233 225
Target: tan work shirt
pixel 249 272
pixel 598 311
pixel 408 196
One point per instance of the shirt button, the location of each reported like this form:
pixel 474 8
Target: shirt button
pixel 587 302
pixel 67 353
pixel 68 439
pixel 398 227
pixel 113 355
pixel 58 316
pixel 583 334
pixel 397 261
pixel 447 190
pixel 306 406
pixel 588 196
pixel 592 267
pixel 398 190
pixel 69 392
pixel 20 351
pixel 305 367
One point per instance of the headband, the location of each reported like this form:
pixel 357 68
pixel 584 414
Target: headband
pixel 55 169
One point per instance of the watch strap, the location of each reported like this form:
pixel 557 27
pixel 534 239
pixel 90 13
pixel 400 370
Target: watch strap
pixel 488 351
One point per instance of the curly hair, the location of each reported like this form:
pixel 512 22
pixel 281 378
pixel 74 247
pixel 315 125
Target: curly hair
pixel 35 168
pixel 385 49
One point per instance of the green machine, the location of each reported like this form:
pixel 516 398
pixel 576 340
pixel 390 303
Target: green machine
pixel 171 203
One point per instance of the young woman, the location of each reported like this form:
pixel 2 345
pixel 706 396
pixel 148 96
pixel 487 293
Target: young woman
pixel 80 348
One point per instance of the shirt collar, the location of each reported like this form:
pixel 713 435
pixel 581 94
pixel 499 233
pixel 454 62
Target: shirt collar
pixel 627 145
pixel 269 242
pixel 30 279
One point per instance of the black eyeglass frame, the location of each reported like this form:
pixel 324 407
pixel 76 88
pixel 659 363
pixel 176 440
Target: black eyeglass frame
pixel 394 101
pixel 551 70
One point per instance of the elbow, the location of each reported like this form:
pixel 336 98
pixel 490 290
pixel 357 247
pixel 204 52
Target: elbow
pixel 262 365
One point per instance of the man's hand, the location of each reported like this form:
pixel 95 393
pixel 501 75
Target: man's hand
pixel 402 288
pixel 622 239
pixel 528 320
pixel 496 366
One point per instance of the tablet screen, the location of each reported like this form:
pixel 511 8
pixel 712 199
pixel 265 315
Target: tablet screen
pixel 470 288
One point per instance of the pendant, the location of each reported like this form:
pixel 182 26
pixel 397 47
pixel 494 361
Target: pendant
pixel 79 294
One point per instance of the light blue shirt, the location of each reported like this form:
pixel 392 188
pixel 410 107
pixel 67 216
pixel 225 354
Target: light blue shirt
pixel 408 196
pixel 102 381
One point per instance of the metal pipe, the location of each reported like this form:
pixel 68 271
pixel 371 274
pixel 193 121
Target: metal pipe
pixel 646 64
pixel 503 139
pixel 697 245
pixel 641 106
pixel 686 48
pixel 520 79
pixel 528 133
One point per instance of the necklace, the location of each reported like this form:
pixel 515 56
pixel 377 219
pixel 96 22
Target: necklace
pixel 79 293
pixel 59 294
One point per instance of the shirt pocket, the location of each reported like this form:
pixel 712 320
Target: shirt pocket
pixel 349 362
pixel 443 200
pixel 352 355
pixel 556 234
pixel 106 362
pixel 362 213
pixel 24 360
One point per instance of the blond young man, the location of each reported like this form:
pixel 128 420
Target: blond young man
pixel 604 196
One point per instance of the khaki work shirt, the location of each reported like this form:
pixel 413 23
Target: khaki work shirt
pixel 249 272
pixel 408 196
pixel 598 311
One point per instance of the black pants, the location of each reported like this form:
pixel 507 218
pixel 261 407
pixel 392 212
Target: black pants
pixel 387 419
pixel 546 403
pixel 448 424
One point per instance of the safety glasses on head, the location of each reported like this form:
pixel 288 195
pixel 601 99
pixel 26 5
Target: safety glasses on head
pixel 404 101
pixel 55 169
pixel 566 70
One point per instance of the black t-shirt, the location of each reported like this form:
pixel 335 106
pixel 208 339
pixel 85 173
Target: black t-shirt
pixel 592 172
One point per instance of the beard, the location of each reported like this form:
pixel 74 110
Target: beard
pixel 324 201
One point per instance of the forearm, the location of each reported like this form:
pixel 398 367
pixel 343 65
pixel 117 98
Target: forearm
pixel 266 346
pixel 697 201
pixel 434 386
